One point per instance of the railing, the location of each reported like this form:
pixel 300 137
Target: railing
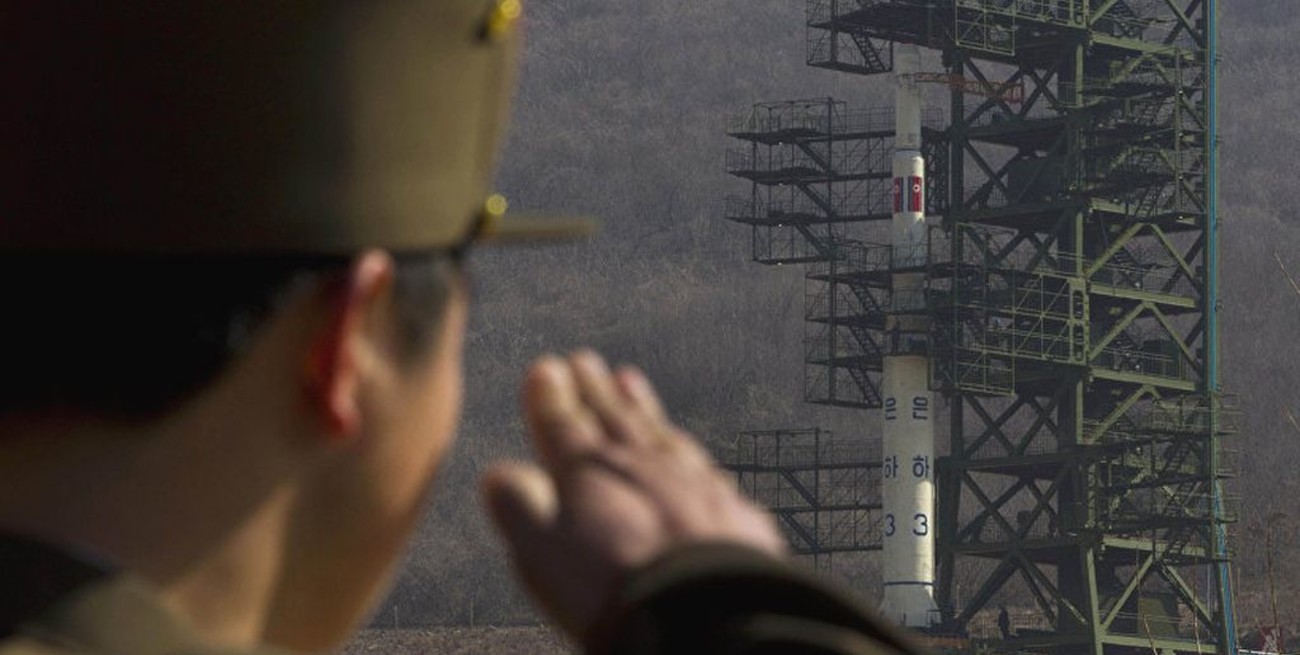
pixel 979 372
pixel 987 25
pixel 791 208
pixel 851 52
pixel 852 257
pixel 1165 277
pixel 1025 343
pixel 1166 422
pixel 1028 319
pixel 857 200
pixel 817 350
pixel 1148 20
pixel 1136 362
pixel 1023 623
pixel 737 161
pixel 824 492
pixel 1057 342
pixel 1138 99
pixel 821 12
pixel 814 116
pixel 1151 625
pixel 1195 417
pixel 862 200
pixel 782 205
pixel 984 626
pixel 840 386
pixel 779 494
pixel 1060 12
pixel 810 162
pixel 821 118
pixel 805 448
pixel 741 209
pixel 775 208
pixel 818 12
pixel 1117 433
pixel 849 305
pixel 781 245
pixel 1145 510
pixel 787 160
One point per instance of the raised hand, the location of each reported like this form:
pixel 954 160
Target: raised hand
pixel 618 485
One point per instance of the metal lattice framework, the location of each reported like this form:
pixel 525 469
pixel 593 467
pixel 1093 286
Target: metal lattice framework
pixel 824 493
pixel 820 180
pixel 1072 286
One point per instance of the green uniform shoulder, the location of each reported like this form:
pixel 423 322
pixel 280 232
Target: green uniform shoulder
pixel 55 603
pixel 25 645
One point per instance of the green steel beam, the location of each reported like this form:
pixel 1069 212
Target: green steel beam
pixel 1159 645
pixel 1187 593
pixel 1134 45
pixel 1144 545
pixel 1144 76
pixel 1139 379
pixel 1121 410
pixel 1151 297
pixel 1134 583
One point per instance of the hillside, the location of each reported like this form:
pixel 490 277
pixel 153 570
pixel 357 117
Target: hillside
pixel 620 115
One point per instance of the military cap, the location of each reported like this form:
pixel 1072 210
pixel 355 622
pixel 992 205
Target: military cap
pixel 305 126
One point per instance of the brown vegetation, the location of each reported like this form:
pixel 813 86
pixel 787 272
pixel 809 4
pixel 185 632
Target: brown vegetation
pixel 620 115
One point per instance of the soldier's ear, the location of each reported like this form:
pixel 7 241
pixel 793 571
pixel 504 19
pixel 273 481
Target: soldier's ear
pixel 346 343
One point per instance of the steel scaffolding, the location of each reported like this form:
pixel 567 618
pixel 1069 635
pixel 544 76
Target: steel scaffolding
pixel 820 176
pixel 824 493
pixel 1071 285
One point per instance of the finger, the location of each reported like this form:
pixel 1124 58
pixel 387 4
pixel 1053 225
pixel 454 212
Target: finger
pixel 686 449
pixel 637 391
pixel 669 472
pixel 522 502
pixel 561 425
pixel 595 382
pixel 600 392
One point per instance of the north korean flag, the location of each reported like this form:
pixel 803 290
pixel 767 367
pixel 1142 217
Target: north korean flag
pixel 916 197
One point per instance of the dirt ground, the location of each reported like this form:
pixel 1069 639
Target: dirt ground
pixel 521 640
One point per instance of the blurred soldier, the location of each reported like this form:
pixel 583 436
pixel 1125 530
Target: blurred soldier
pixel 234 308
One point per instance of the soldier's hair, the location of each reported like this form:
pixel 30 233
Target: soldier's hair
pixel 130 338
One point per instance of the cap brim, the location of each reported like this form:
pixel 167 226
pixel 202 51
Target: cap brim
pixel 525 228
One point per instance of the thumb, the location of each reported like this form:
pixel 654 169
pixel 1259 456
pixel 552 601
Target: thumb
pixel 522 502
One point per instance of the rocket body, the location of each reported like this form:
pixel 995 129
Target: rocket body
pixel 908 492
pixel 907 489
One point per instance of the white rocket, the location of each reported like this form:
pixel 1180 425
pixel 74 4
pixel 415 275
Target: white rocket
pixel 908 415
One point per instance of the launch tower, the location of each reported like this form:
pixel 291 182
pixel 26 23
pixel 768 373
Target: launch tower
pixel 1069 294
